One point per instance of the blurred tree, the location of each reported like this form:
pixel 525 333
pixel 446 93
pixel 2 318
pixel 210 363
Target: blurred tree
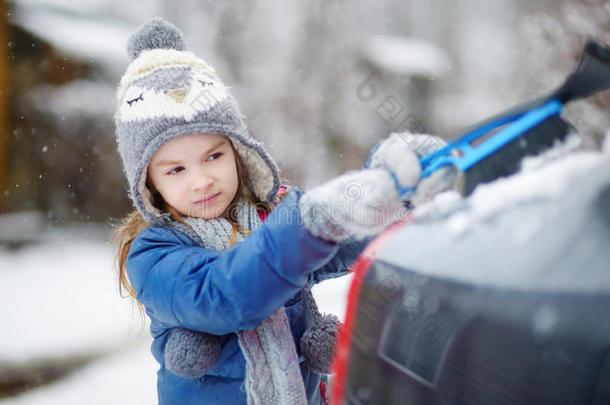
pixel 62 157
pixel 553 40
pixel 4 100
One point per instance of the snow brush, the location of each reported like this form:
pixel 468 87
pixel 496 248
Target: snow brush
pixel 529 128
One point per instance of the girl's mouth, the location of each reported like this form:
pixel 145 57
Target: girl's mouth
pixel 208 199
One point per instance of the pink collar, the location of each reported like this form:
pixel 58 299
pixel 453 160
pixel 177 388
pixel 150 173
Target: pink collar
pixel 262 214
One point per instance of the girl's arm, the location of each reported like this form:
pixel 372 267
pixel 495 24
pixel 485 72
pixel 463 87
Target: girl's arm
pixel 353 208
pixel 184 285
pixel 342 262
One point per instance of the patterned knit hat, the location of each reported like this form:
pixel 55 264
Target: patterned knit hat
pixel 167 92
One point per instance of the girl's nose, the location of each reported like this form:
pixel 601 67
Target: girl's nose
pixel 202 182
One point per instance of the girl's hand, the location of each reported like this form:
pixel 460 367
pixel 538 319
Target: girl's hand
pixel 355 205
pixel 396 154
pixel 362 203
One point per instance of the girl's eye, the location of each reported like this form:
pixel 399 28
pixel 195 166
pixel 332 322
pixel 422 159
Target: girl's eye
pixel 175 170
pixel 135 100
pixel 215 156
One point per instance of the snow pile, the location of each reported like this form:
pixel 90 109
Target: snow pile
pixel 79 98
pixel 80 33
pixel 547 182
pixel 542 177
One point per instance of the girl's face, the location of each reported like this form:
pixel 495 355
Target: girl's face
pixel 196 174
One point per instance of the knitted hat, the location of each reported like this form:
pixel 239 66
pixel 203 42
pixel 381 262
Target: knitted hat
pixel 167 92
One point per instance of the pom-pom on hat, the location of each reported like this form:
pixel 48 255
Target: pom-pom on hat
pixel 167 92
pixel 155 34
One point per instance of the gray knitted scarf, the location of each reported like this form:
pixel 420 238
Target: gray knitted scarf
pixel 273 374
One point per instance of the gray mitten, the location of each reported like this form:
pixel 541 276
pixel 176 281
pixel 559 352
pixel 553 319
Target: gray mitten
pixel 355 205
pixel 191 354
pixel 390 153
pixel 318 341
pixel 362 203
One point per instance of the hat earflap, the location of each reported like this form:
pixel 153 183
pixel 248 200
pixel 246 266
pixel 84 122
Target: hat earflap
pixel 191 354
pixel 318 340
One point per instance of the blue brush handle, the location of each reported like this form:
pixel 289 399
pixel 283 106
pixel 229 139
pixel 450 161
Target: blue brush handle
pixel 521 123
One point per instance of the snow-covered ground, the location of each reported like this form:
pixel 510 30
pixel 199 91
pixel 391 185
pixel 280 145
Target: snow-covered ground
pixel 123 377
pixel 59 301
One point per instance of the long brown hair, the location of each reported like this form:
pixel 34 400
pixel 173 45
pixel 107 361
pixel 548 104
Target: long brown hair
pixel 134 223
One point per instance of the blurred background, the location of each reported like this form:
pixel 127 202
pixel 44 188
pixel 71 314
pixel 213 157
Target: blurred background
pixel 320 83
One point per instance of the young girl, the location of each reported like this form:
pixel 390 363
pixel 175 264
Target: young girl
pixel 220 256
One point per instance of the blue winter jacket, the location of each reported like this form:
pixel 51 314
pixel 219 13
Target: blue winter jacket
pixel 221 292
